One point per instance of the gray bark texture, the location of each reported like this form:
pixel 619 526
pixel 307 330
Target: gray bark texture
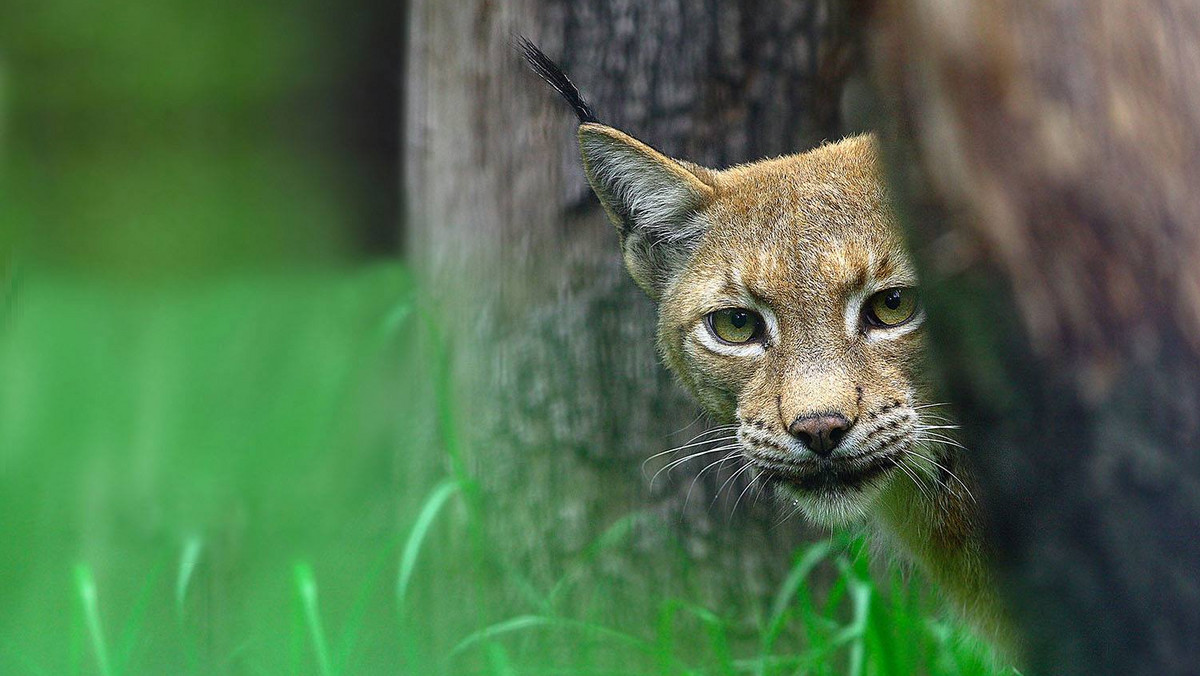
pixel 1050 185
pixel 560 392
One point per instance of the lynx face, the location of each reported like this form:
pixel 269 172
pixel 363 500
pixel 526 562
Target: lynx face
pixel 787 304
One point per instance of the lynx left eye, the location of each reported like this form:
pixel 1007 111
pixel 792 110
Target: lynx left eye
pixel 735 325
pixel 891 307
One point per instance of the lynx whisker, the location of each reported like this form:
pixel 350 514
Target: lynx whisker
pixel 679 461
pixel 753 480
pixel 915 479
pixel 934 405
pixel 695 420
pixel 692 443
pixel 733 476
pixel 786 517
pixel 718 428
pixel 710 430
pixel 732 450
pixel 761 491
pixel 945 469
pixel 933 431
pixel 929 473
pixel 939 438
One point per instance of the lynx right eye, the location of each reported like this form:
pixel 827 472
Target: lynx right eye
pixel 736 326
pixel 892 307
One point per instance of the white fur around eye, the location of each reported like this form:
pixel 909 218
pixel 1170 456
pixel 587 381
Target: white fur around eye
pixel 703 335
pixel 854 310
pixel 878 333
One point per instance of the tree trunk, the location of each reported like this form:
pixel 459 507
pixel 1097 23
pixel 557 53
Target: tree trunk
pixel 1051 188
pixel 554 361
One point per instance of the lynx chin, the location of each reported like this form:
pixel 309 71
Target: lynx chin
pixel 788 306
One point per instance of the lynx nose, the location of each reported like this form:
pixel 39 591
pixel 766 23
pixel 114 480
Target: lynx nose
pixel 820 433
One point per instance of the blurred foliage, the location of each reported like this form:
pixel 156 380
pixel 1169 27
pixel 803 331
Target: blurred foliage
pixel 239 425
pixel 151 139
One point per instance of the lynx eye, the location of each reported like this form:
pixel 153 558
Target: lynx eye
pixel 891 307
pixel 736 325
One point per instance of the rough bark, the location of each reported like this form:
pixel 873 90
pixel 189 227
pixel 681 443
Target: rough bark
pixel 1050 186
pixel 554 352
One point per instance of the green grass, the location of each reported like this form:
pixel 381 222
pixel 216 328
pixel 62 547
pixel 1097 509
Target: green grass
pixel 263 476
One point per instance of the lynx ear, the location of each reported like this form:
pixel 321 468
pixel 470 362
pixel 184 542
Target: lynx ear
pixel 652 199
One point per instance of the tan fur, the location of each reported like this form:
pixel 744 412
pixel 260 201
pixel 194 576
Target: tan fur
pixel 803 239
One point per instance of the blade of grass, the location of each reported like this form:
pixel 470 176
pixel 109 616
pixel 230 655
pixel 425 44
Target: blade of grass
pixel 789 590
pixel 716 628
pixel 860 599
pixel 772 662
pixel 879 638
pixel 850 636
pixel 86 585
pixel 443 393
pixel 816 553
pixel 791 593
pixel 306 586
pixel 665 628
pixel 447 425
pixel 366 592
pixel 412 547
pixel 367 358
pixel 187 567
pixel 78 640
pixel 188 561
pixel 525 622
pixel 132 630
pixel 905 615
pixel 620 531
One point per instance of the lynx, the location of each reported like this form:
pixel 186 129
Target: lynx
pixel 788 306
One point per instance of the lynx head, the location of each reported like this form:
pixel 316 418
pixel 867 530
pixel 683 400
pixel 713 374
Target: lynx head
pixel 787 304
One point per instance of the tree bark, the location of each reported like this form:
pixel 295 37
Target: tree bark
pixel 1049 182
pixel 554 361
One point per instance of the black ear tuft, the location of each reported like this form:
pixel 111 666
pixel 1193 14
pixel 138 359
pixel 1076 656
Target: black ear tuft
pixel 551 73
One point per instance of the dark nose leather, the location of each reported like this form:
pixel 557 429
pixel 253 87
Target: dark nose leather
pixel 820 433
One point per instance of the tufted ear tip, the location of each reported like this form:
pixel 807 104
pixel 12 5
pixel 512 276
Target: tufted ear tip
pixel 550 71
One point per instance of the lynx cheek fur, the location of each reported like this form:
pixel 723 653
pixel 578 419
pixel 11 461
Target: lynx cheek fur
pixel 787 304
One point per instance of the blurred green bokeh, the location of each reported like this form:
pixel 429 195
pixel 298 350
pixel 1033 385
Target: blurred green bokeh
pixel 169 138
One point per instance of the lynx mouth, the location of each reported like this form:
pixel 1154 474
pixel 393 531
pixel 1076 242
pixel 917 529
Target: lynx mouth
pixel 828 475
